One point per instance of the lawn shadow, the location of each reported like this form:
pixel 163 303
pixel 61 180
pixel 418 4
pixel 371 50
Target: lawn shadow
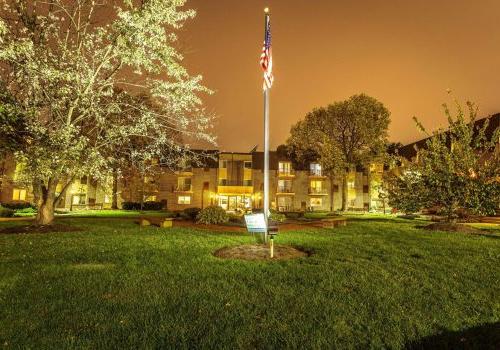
pixel 361 219
pixel 484 337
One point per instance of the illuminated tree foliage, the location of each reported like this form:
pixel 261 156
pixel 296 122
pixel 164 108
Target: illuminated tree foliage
pixel 70 68
pixel 344 135
pixel 458 169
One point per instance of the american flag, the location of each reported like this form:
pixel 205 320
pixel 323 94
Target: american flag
pixel 266 58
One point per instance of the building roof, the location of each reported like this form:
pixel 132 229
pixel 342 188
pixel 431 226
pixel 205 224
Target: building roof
pixel 409 151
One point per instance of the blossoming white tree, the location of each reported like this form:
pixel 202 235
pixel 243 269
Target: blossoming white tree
pixel 69 68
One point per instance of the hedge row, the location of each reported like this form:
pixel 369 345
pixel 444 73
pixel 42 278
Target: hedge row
pixel 145 206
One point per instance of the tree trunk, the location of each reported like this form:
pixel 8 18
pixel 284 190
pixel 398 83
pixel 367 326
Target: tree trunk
pixel 45 198
pixel 332 202
pixel 114 200
pixel 45 214
pixel 369 181
pixel 344 190
pixel 142 192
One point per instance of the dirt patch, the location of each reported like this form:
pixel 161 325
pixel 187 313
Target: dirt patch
pixel 260 252
pixel 443 226
pixel 29 229
pixel 230 228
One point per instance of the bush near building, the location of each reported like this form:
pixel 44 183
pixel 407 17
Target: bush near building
pixel 6 212
pixel 145 206
pixel 191 213
pixel 212 215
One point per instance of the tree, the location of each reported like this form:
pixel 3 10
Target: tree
pixel 344 135
pixel 406 192
pixel 70 74
pixel 459 167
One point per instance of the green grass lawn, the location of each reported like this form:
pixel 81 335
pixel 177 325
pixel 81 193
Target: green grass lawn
pixel 377 283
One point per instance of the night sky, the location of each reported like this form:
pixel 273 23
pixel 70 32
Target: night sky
pixel 404 53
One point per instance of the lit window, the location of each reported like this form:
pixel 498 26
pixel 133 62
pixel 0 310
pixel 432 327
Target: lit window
pixel 315 169
pixel 149 198
pixel 17 172
pixel 107 199
pixel 285 167
pixel 316 202
pixel 184 184
pixel 79 199
pixel 19 194
pixel 184 200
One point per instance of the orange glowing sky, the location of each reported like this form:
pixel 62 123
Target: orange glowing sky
pixel 404 53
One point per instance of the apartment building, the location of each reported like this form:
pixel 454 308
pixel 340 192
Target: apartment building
pixel 234 181
pixel 84 193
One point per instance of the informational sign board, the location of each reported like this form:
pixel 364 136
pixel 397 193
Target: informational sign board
pixel 256 223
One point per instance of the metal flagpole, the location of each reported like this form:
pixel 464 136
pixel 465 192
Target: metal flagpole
pixel 266 142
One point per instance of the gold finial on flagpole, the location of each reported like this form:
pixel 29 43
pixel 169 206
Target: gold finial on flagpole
pixel 266 10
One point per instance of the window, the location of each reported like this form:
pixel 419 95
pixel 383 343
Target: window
pixel 148 180
pixel 149 198
pixel 284 186
pixel 18 171
pixel 19 194
pixel 365 188
pixel 79 199
pixel 223 164
pixel 285 167
pixel 184 200
pixel 350 184
pixel 107 199
pixel 247 182
pixel 316 202
pixel 247 165
pixel 335 188
pixel 184 184
pixel 315 169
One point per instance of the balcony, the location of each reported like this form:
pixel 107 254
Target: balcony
pixel 286 173
pixel 185 172
pixel 224 182
pixel 317 173
pixel 318 191
pixel 183 188
pixel 285 191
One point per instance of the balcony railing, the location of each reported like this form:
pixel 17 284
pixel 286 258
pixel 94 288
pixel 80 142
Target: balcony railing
pixel 321 191
pixel 235 183
pixel 183 188
pixel 316 172
pixel 285 190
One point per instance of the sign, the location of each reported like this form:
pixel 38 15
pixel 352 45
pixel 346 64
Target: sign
pixel 256 223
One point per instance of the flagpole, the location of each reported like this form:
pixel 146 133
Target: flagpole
pixel 266 143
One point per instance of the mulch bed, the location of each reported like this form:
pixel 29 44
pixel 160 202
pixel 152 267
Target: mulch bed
pixel 442 226
pixel 30 229
pixel 260 252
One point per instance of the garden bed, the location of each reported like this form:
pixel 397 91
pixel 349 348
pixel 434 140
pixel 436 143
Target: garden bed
pixel 260 252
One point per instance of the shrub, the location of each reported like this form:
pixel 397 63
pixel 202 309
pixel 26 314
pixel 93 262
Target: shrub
pixel 25 212
pixel 278 217
pixel 212 215
pixel 131 206
pixel 294 214
pixel 145 206
pixel 236 219
pixel 18 205
pixel 150 205
pixel 191 213
pixel 6 212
